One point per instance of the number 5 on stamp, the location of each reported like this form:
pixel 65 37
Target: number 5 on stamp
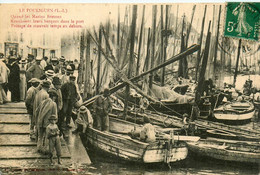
pixel 242 20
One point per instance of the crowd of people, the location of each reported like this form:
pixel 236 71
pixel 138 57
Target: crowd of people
pixel 47 85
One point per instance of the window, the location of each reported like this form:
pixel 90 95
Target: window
pixel 52 55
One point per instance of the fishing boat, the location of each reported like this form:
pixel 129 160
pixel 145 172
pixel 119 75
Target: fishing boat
pixel 204 128
pixel 121 145
pixel 247 152
pixel 235 112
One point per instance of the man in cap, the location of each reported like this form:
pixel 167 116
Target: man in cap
pixel 36 70
pixel 29 101
pixel 47 108
pixel 30 60
pixel 39 97
pixel 57 87
pixel 102 107
pixel 52 133
pixel 65 77
pixel 14 79
pixel 69 96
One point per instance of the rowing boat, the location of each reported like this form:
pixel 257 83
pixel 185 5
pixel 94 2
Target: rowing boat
pixel 235 112
pixel 119 144
pixel 248 152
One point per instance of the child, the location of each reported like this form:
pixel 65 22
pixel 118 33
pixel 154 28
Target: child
pixel 52 133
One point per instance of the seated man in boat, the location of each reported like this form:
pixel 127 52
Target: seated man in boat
pixel 102 107
pixel 147 133
pixel 84 118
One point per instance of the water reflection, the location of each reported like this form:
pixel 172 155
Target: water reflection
pixel 194 164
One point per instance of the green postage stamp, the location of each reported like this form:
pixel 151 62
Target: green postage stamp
pixel 242 20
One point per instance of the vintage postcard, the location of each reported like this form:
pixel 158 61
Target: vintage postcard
pixel 145 88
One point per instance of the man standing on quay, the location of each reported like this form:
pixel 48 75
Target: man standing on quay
pixel 69 98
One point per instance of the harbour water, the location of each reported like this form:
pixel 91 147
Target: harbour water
pixel 194 164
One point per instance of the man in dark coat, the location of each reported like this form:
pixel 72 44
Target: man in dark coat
pixel 69 98
pixel 14 79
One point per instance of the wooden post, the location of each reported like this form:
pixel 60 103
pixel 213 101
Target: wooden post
pixel 87 70
pixel 238 55
pixel 99 62
pixel 131 59
pixel 216 45
pixel 140 43
pixel 203 67
pixel 200 42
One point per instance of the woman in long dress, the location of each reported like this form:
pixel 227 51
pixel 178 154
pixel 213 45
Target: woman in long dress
pixel 23 84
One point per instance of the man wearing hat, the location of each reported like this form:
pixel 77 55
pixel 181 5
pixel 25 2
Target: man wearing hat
pixel 102 107
pixel 69 96
pixel 44 62
pixel 39 97
pixel 65 77
pixel 14 79
pixel 30 60
pixel 54 63
pixel 4 72
pixel 46 108
pixel 52 133
pixel 36 70
pixel 29 101
pixel 57 85
pixel 84 118
pixel 49 75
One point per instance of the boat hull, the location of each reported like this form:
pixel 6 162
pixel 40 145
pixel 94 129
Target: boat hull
pixel 226 152
pixel 236 115
pixel 122 146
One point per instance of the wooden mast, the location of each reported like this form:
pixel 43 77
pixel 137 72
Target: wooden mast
pixel 140 43
pixel 99 61
pixel 165 44
pixel 81 62
pixel 203 66
pixel 153 46
pixel 162 43
pixel 131 59
pixel 87 70
pixel 200 41
pixel 238 55
pixel 216 45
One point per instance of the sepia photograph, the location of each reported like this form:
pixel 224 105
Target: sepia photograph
pixel 130 88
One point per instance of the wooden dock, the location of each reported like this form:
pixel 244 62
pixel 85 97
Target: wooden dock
pixel 18 151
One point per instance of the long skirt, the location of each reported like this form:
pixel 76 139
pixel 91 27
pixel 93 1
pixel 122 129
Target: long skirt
pixel 23 87
pixel 3 97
